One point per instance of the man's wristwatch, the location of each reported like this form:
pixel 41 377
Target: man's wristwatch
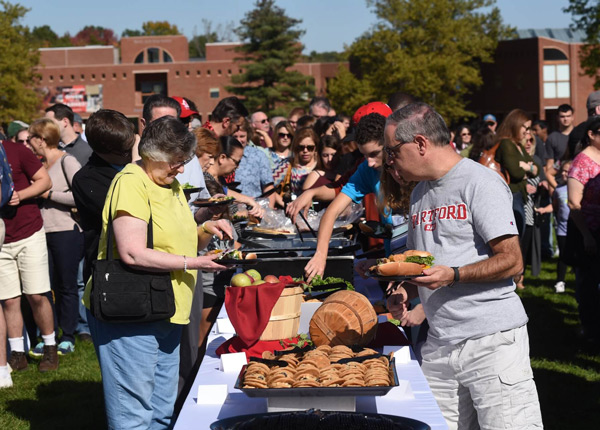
pixel 456 277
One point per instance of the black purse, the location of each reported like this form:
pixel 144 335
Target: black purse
pixel 122 294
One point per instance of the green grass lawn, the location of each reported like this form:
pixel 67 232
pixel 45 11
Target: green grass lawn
pixel 567 373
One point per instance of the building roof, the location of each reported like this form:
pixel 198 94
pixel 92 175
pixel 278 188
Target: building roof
pixel 562 34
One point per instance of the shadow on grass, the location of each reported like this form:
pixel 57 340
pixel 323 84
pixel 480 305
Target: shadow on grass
pixel 62 405
pixel 567 402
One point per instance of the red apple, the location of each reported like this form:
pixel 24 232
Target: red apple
pixel 271 279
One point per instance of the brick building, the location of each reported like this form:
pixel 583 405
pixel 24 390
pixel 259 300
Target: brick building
pixel 89 78
pixel 537 72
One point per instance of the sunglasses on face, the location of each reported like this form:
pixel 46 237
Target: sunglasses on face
pixel 264 121
pixel 22 141
pixel 309 148
pixel 465 134
pixel 285 136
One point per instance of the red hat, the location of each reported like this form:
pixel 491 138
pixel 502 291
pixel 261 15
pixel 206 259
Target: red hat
pixel 373 107
pixel 185 107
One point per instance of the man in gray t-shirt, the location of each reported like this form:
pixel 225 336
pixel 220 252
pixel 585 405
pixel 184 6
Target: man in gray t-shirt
pixel 477 350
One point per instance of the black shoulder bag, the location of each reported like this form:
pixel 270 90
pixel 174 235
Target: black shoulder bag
pixel 122 294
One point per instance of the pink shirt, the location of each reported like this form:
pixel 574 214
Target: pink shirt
pixel 587 171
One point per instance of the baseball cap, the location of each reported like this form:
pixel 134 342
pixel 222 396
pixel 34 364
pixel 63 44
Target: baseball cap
pixel 15 127
pixel 373 107
pixel 593 100
pixel 489 117
pixel 185 107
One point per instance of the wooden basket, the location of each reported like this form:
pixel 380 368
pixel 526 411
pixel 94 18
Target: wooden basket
pixel 344 318
pixel 285 316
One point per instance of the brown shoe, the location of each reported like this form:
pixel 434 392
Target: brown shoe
pixel 49 359
pixel 18 360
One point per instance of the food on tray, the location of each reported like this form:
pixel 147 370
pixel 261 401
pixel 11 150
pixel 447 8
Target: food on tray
pixel 187 186
pixel 234 255
pixel 220 199
pixel 252 277
pixel 240 217
pixel 410 263
pixel 280 230
pixel 319 367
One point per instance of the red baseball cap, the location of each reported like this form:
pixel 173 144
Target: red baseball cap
pixel 373 107
pixel 185 107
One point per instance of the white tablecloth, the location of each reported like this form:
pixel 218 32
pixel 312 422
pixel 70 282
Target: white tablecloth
pixel 199 416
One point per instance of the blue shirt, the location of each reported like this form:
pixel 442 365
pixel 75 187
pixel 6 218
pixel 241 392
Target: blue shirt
pixel 254 172
pixel 364 181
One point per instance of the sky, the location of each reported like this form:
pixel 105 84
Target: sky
pixel 329 24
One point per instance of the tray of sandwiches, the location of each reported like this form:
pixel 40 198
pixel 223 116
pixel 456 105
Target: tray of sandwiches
pixel 320 371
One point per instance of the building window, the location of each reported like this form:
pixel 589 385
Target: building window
pixel 557 83
pixel 167 58
pixel 219 72
pixel 150 83
pixel 61 77
pixel 114 76
pixel 140 58
pixel 82 76
pixel 208 72
pixel 552 54
pixel 177 73
pixel 213 93
pixel 72 77
pixel 187 73
pixel 198 72
pixel 229 71
pixel 153 55
pixel 103 75
pixel 124 75
pixel 93 76
pixel 51 78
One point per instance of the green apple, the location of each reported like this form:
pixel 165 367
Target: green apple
pixel 241 280
pixel 253 273
pixel 258 282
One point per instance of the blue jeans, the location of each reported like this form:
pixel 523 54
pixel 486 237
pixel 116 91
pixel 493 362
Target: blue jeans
pixel 139 365
pixel 82 325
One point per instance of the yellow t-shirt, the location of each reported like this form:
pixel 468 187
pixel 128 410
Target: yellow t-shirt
pixel 174 228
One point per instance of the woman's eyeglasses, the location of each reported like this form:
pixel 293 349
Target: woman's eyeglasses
pixel 237 162
pixel 465 134
pixel 309 148
pixel 526 128
pixel 179 165
pixel 285 136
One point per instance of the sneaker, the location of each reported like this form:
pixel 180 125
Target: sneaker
pixel 559 287
pixel 85 337
pixel 38 351
pixel 65 347
pixel 17 360
pixel 49 359
pixel 6 381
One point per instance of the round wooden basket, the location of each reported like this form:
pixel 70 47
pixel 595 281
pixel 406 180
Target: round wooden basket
pixel 344 318
pixel 285 316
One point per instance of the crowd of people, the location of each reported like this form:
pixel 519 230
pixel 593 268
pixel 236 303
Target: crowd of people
pixel 81 196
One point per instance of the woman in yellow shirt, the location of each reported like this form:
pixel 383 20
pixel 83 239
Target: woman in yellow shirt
pixel 140 361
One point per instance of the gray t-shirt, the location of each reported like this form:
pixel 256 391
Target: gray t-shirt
pixel 454 218
pixel 556 145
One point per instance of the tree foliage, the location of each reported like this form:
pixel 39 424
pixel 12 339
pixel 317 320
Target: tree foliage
pixel 45 37
pixel 347 93
pixel 586 16
pixel 271 46
pixel 220 33
pixel 94 35
pixel 431 49
pixel 325 57
pixel 159 28
pixel 18 60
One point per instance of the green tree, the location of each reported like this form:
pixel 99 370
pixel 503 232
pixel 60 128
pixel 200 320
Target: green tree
pixel 18 61
pixel 159 28
pixel 131 33
pixel 431 49
pixel 586 17
pixel 271 46
pixel 347 93
pixel 45 37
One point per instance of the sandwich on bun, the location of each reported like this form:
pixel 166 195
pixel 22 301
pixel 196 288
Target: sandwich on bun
pixel 410 263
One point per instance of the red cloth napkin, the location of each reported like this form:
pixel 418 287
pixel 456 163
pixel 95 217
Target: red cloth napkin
pixel 388 334
pixel 235 344
pixel 249 308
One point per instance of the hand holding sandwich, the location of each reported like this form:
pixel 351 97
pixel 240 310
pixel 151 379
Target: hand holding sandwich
pixel 435 277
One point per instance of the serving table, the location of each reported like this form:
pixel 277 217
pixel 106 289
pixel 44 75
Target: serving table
pixel 421 406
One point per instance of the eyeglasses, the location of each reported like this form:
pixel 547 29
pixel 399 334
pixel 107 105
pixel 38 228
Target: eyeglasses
pixel 179 165
pixel 285 136
pixel 391 152
pixel 526 128
pixel 237 162
pixel 309 148
pixel 22 141
pixel 465 134
pixel 264 121
pixel 28 140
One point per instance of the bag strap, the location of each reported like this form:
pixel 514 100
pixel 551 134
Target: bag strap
pixel 109 229
pixel 62 166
